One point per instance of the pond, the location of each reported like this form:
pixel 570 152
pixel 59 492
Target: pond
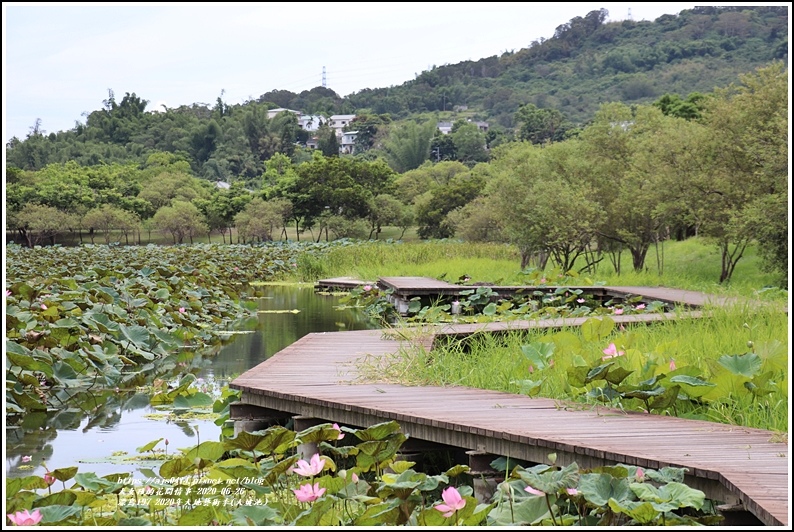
pixel 103 428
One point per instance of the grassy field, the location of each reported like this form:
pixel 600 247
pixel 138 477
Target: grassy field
pixel 692 265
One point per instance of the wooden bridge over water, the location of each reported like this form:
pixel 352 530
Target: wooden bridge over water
pixel 317 378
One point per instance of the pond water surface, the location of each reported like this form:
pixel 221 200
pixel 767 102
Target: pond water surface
pixel 102 432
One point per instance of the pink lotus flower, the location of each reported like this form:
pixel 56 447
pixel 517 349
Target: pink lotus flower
pixel 618 311
pixel 25 518
pixel 641 306
pixel 367 287
pixel 310 469
pixel 533 491
pixel 531 368
pixel 49 479
pixel 611 352
pixel 26 459
pixel 572 491
pixel 181 310
pixel 543 281
pixel 452 502
pixel 580 300
pixel 309 493
pixel 640 474
pixel 8 293
pixel 43 306
pixel 672 365
pixel 341 436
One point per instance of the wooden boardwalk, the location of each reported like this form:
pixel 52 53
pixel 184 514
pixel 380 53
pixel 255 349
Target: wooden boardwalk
pixel 405 288
pixel 318 377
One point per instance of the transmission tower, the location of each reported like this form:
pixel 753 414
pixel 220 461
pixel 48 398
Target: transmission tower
pixel 630 14
pixel 324 77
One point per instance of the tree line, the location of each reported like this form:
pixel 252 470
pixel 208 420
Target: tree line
pixel 712 165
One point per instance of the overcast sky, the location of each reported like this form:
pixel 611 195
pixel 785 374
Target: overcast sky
pixel 59 60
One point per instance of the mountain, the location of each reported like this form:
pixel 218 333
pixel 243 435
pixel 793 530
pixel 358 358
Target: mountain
pixel 589 61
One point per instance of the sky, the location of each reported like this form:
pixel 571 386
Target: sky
pixel 60 59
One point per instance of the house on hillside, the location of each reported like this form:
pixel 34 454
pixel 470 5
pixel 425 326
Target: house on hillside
pixel 311 122
pixel 273 112
pixel 347 145
pixel 338 122
pixel 483 126
pixel 446 127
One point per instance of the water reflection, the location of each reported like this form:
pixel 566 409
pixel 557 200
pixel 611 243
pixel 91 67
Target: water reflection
pixel 101 429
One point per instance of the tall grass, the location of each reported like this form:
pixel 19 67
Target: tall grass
pixel 448 259
pixel 496 362
pixel 692 264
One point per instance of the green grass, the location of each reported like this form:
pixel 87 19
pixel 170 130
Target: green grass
pixel 691 265
pixel 497 363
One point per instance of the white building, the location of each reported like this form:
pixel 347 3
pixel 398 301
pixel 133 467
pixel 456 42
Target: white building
pixel 348 143
pixel 338 122
pixel 273 112
pixel 311 122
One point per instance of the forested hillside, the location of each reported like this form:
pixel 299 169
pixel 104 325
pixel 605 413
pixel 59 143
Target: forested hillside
pixel 586 63
pixel 589 61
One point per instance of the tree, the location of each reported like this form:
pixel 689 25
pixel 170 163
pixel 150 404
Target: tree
pixel 408 145
pixel 412 184
pixel 748 186
pixel 544 205
pixel 342 186
pixel 162 186
pixel 258 220
pixel 180 219
pixel 105 219
pixel 628 195
pixel 433 207
pixel 370 129
pixel 673 105
pixel 477 221
pixel 38 222
pixel 385 210
pixel 539 126
pixel 469 143
pixel 328 143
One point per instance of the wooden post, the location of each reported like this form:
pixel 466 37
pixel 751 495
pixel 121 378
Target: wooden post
pixel 484 477
pixel 306 450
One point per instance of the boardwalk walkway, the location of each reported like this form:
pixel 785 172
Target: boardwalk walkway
pixel 317 377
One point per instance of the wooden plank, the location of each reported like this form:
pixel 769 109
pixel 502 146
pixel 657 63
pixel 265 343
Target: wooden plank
pixel 317 376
